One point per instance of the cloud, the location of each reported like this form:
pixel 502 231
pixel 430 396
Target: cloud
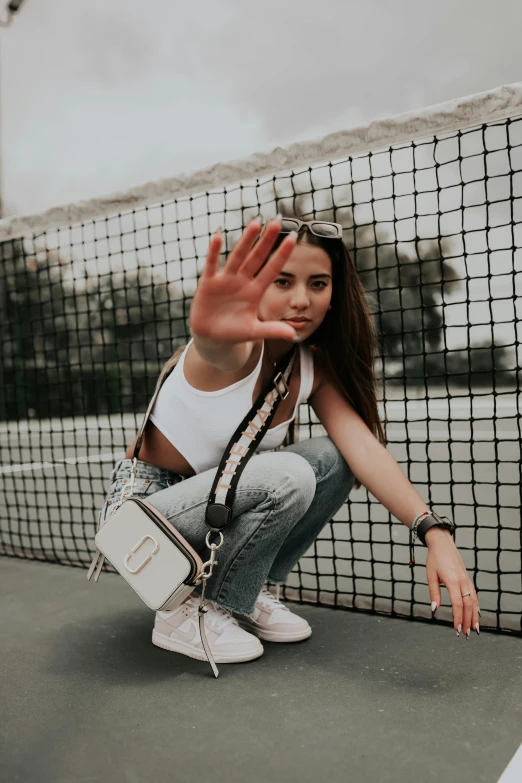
pixel 100 96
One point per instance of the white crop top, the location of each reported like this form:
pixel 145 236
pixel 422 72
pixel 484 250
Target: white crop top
pixel 200 423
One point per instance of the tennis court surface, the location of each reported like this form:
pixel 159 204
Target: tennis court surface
pixel 87 697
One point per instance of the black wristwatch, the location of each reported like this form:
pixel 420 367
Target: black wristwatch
pixel 430 520
pixel 433 520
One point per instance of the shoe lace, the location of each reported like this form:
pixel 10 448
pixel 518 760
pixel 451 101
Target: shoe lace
pixel 266 598
pixel 219 617
pixel 216 617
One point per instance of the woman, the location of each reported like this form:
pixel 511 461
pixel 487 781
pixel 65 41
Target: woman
pixel 276 288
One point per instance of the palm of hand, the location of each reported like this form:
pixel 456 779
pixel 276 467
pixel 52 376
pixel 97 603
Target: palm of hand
pixel 226 304
pixel 226 308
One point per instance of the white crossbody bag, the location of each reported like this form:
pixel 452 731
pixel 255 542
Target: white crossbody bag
pixel 146 549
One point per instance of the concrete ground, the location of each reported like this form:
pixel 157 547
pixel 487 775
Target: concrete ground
pixel 87 697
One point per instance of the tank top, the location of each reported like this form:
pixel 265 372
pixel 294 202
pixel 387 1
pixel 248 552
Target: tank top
pixel 200 423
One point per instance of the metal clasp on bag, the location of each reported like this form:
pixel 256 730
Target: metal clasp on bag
pixel 204 575
pixel 281 378
pixel 212 562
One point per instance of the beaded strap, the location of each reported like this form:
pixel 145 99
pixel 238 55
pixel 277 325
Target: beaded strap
pixel 413 533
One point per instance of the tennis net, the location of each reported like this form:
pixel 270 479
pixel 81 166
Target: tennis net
pixel 95 296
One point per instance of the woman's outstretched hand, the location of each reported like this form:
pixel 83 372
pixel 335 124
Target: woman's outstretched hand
pixel 226 303
pixel 444 564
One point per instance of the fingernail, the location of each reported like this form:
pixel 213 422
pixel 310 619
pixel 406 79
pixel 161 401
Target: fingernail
pixel 278 216
pixel 468 633
pixel 477 628
pixel 257 220
pixel 479 613
pixel 297 338
pixel 433 607
pixel 219 230
pixel 293 234
pixel 459 629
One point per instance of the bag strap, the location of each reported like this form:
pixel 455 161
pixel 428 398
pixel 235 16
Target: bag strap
pixel 239 450
pixel 243 444
pixel 161 380
pixel 261 413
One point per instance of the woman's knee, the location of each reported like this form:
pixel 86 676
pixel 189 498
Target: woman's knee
pixel 277 470
pixel 324 457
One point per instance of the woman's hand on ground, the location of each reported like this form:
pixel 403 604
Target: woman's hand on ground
pixel 226 303
pixel 444 564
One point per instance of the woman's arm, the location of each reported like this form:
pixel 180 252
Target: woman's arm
pixel 227 357
pixel 224 319
pixel 378 471
pixel 370 462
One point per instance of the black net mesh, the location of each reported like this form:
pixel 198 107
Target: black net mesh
pixel 90 312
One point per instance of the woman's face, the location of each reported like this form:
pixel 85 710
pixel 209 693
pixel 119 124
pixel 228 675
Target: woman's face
pixel 303 289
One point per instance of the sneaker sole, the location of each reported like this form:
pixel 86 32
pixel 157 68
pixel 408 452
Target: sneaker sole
pixel 274 636
pixel 176 645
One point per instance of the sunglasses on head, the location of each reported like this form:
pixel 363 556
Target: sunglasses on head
pixel 318 227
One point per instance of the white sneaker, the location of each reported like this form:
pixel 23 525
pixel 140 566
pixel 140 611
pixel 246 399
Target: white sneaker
pixel 273 621
pixel 178 631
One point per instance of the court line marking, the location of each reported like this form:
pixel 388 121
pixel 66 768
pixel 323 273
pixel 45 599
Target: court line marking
pixel 478 438
pixel 26 466
pixel 487 404
pixel 513 771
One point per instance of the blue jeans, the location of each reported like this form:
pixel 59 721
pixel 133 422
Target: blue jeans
pixel 282 502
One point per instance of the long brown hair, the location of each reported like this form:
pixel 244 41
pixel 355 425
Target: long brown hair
pixel 345 344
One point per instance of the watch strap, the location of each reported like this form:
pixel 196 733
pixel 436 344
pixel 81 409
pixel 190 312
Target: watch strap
pixel 434 520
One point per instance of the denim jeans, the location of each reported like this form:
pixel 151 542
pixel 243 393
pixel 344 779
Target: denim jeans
pixel 282 502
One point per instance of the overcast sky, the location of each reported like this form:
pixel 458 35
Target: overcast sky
pixel 97 96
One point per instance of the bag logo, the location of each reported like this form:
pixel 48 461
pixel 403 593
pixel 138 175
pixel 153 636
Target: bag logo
pixel 135 548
